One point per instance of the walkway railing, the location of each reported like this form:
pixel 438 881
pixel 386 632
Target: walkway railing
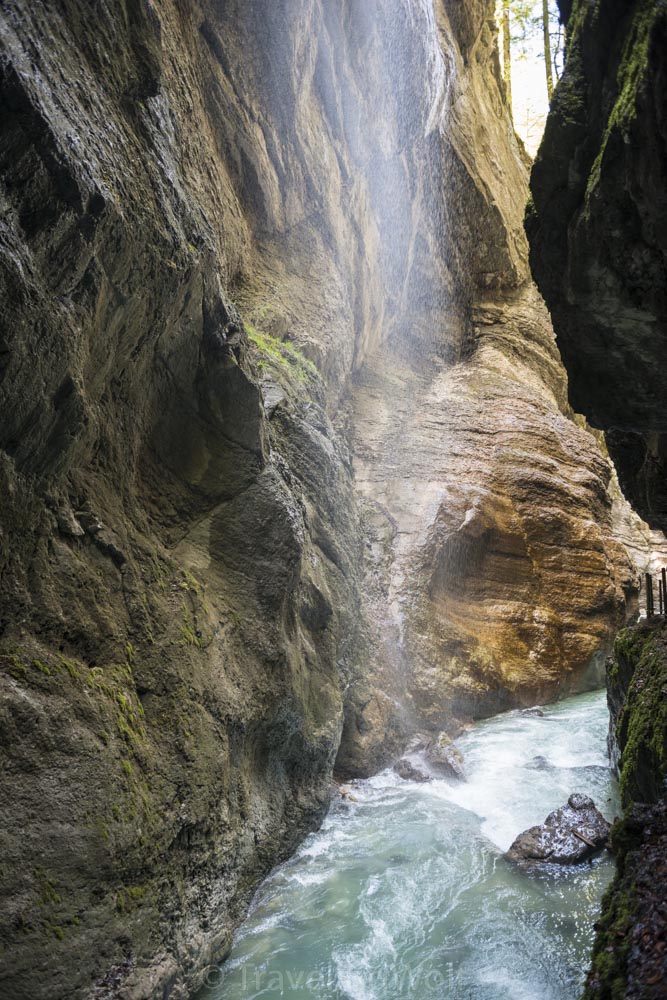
pixel 662 593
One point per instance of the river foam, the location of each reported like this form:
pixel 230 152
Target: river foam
pixel 405 894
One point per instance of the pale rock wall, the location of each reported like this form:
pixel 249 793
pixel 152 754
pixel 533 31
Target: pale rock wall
pixel 504 579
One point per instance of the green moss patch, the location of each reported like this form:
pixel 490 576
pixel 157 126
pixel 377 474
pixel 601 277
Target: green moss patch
pixel 641 732
pixel 637 687
pixel 629 79
pixel 281 358
pixel 608 975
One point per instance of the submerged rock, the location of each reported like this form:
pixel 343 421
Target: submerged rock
pixel 539 763
pixel 406 770
pixel 568 835
pixel 443 757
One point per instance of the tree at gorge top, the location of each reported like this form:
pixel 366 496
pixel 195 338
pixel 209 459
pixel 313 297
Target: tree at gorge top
pixel 531 33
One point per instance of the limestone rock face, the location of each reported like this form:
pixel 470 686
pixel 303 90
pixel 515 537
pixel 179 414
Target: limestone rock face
pixel 285 455
pixel 598 233
pixel 178 534
pixel 496 561
pixel 568 835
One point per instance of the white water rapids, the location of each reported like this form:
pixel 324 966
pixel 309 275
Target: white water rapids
pixel 405 894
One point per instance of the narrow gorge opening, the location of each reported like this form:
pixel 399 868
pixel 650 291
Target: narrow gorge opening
pixel 331 461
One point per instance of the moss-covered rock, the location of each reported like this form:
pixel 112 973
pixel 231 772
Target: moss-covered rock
pixel 637 684
pixel 629 957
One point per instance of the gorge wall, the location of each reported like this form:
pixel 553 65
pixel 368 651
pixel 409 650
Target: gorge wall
pixel 598 231
pixel 286 454
pixel 598 234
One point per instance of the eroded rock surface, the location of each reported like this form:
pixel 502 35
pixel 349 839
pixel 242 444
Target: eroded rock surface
pixel 568 835
pixel 492 545
pixel 630 953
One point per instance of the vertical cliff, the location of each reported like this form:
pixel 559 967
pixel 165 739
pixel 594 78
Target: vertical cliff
pixel 598 243
pixel 598 234
pixel 285 452
pixel 629 957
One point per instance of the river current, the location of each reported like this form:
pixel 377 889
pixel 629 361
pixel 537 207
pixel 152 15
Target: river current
pixel 404 893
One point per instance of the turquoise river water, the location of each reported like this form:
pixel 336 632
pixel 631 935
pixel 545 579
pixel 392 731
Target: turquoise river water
pixel 405 894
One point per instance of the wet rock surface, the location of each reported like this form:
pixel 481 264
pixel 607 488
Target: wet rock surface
pixel 464 447
pixel 539 763
pixel 444 758
pixel 406 769
pixel 630 953
pixel 568 836
pixel 630 950
pixel 598 242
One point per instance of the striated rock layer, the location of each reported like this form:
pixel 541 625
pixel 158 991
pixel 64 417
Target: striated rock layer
pixel 196 597
pixel 486 501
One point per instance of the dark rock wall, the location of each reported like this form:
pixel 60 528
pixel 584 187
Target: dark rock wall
pixel 178 584
pixel 629 956
pixel 597 226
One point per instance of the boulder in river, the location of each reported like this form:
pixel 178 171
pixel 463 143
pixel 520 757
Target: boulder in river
pixel 539 763
pixel 568 835
pixel 443 757
pixel 406 770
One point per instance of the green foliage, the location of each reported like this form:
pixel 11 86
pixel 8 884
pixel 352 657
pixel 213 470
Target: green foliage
pixel 189 637
pixel 282 357
pixel 47 914
pixel 526 19
pixel 69 667
pixel 188 582
pixel 13 665
pixel 47 888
